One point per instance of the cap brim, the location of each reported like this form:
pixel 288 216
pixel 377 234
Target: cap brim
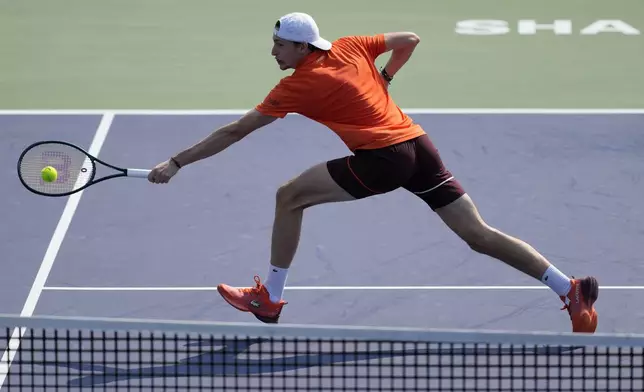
pixel 322 44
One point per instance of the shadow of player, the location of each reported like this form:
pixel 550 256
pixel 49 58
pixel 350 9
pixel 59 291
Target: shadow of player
pixel 234 358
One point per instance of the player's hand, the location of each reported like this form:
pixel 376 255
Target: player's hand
pixel 163 172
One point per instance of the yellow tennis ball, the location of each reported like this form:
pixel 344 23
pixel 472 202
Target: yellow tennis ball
pixel 49 174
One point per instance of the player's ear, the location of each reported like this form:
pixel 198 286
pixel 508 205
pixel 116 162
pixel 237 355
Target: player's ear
pixel 301 47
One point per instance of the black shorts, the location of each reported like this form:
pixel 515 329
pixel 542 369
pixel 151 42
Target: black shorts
pixel 414 165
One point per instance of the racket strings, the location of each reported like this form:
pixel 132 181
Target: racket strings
pixel 75 169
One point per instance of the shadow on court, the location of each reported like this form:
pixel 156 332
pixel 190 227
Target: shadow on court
pixel 241 358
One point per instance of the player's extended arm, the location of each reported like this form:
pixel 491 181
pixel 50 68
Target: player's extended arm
pixel 216 142
pixel 223 137
pixel 402 45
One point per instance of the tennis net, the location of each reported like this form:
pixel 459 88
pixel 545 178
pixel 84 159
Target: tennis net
pixel 61 354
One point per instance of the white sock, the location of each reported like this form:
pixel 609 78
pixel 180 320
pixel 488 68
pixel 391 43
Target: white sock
pixel 556 280
pixel 275 282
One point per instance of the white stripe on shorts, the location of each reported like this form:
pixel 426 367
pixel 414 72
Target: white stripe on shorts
pixel 431 189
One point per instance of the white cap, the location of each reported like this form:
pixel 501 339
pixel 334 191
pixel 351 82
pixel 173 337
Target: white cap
pixel 300 27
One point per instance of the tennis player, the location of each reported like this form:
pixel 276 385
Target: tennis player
pixel 338 85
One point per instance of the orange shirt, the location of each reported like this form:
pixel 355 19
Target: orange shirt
pixel 343 90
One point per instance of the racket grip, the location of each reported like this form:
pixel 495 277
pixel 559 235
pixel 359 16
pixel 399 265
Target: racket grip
pixel 141 173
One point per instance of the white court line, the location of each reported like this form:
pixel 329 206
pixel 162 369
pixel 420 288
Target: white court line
pixel 50 255
pixel 329 288
pixel 227 112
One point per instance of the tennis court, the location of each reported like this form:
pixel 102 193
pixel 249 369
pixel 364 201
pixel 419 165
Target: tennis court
pixel 550 148
pixel 130 249
pixel 565 183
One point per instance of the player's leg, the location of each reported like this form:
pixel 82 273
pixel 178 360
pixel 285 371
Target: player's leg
pixel 314 186
pixel 349 178
pixel 436 186
pixel 342 179
pixel 463 218
pixel 578 295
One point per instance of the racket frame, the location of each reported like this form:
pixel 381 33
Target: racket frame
pixel 92 181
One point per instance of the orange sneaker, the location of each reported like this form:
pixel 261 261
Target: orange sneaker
pixel 255 300
pixel 579 303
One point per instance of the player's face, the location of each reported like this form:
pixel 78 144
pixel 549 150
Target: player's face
pixel 287 53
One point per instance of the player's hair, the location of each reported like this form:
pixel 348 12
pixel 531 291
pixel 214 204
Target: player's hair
pixel 313 48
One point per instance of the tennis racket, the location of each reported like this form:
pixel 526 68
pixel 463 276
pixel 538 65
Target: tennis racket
pixel 76 168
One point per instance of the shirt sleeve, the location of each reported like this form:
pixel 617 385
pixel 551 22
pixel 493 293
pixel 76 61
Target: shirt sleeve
pixel 281 100
pixel 373 45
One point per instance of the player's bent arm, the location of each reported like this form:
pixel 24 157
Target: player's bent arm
pixel 223 137
pixel 401 40
pixel 402 45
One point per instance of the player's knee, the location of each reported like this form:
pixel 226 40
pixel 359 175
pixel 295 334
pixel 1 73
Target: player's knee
pixel 287 196
pixel 283 196
pixel 480 239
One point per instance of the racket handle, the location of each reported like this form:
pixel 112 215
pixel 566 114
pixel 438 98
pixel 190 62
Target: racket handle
pixel 141 173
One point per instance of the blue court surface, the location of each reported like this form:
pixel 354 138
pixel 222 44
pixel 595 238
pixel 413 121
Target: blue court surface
pixel 569 184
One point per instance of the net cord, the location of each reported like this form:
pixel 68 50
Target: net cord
pixel 365 333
